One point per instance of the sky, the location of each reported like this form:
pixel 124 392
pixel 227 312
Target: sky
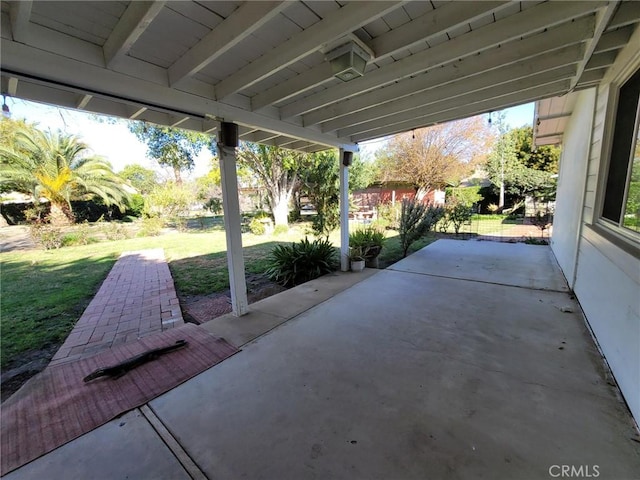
pixel 120 147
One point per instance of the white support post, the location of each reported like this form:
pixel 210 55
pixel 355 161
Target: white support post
pixel 344 213
pixel 232 227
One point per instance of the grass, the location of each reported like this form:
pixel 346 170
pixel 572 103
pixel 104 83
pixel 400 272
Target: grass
pixel 485 224
pixel 43 293
pixel 392 250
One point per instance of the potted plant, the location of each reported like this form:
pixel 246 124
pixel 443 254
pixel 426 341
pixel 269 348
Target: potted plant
pixel 370 242
pixel 357 259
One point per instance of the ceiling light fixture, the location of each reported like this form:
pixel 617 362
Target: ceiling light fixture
pixel 348 61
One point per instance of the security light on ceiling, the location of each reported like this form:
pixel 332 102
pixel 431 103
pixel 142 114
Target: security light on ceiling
pixel 348 61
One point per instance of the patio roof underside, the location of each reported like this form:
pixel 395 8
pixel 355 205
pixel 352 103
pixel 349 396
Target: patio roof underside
pixel 262 65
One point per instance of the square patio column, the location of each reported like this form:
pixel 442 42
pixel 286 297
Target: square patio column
pixel 227 142
pixel 345 161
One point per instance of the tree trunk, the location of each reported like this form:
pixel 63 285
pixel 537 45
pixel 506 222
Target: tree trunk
pixel 280 210
pixel 60 214
pixel 421 193
pixel 178 175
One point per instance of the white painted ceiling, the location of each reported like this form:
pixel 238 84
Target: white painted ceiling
pixel 262 64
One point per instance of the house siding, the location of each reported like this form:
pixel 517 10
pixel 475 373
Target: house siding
pixel 571 184
pixel 604 277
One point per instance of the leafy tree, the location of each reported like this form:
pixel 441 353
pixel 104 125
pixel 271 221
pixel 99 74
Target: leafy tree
pixel 467 196
pixel 169 202
pixel 320 182
pixel 524 172
pixel 57 167
pixel 209 185
pixel 142 179
pixel 277 170
pixel 544 158
pixel 361 173
pixel 171 147
pixel 319 174
pixel 434 157
pixel 9 129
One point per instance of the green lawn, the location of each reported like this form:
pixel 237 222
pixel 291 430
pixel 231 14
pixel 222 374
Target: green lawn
pixel 43 293
pixel 484 224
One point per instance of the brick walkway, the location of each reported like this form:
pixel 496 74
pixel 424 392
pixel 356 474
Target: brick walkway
pixel 136 299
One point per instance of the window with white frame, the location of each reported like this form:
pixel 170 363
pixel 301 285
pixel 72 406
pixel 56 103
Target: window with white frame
pixel 621 204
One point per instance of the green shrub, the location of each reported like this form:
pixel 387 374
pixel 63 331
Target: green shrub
pixel 70 239
pixel 47 236
pixel 369 240
pixel 535 241
pixel 357 254
pixel 300 262
pixel 390 214
pixel 80 236
pixel 151 227
pixel 170 200
pixel 458 214
pixel 464 195
pixel 416 221
pixel 261 214
pixel 444 223
pixel 294 216
pixel 115 231
pixel 380 224
pixel 281 230
pixel 35 213
pixel 257 227
pixel 326 220
pixel 214 205
pixel 135 205
pixel 180 223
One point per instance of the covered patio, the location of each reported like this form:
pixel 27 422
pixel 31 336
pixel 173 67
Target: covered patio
pixel 465 360
pixel 304 75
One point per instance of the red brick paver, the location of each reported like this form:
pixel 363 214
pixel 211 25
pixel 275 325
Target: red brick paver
pixel 136 299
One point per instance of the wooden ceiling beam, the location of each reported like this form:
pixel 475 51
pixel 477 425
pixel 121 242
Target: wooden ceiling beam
pixel 334 26
pixel 446 103
pixel 532 20
pixel 134 21
pixel 468 110
pixel 245 20
pixel 524 69
pixel 20 14
pixel 513 52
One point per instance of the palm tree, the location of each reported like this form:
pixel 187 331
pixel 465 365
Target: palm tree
pixel 55 166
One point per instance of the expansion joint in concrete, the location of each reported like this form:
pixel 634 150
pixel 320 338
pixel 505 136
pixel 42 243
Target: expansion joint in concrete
pixel 526 287
pixel 172 444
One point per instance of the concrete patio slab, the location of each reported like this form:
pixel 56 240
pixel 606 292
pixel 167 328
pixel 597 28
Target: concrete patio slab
pixel 518 264
pixel 411 375
pixel 270 312
pixel 127 447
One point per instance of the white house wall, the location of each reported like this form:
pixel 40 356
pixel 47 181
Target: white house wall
pixel 571 184
pixel 607 278
pixel 609 298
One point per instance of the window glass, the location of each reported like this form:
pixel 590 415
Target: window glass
pixel 631 216
pixel 621 204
